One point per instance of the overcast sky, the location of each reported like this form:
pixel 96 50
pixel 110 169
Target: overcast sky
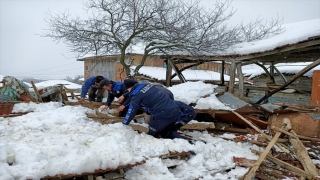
pixel 24 53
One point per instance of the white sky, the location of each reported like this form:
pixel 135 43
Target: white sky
pixel 24 53
pixel 54 139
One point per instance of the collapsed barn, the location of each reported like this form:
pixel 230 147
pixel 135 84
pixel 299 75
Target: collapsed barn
pixel 287 129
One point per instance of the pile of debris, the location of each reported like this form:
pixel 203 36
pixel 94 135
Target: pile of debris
pixel 15 91
pixel 287 154
pixel 289 133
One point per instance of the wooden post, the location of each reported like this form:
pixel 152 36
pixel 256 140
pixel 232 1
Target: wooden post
pixel 36 91
pixel 241 80
pixel 250 174
pixel 222 73
pixel 64 94
pixel 315 92
pixel 168 74
pixel 232 77
pixel 178 72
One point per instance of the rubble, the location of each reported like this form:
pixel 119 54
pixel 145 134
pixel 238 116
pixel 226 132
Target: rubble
pixel 288 153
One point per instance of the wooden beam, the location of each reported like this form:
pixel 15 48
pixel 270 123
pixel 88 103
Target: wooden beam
pixel 222 72
pixel 36 91
pixel 178 72
pixel 303 156
pixel 241 80
pixel 250 174
pixel 232 77
pixel 283 131
pixel 295 77
pixel 187 67
pixel 266 71
pixel 286 165
pixel 282 76
pixel 259 130
pixel 168 74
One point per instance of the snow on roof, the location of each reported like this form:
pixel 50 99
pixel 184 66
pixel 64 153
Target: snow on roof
pixel 253 70
pixel 292 33
pixel 67 84
pixel 159 73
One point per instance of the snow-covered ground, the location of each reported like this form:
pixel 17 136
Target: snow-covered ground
pixel 55 139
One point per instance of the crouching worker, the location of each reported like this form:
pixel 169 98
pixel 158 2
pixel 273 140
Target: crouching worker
pixel 91 86
pixel 164 111
pixel 186 115
pixel 115 89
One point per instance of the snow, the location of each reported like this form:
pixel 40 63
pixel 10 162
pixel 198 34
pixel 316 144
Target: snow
pixel 67 84
pixel 55 139
pixel 1 77
pixel 159 73
pixel 292 33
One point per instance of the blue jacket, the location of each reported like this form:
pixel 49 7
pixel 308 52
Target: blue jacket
pixel 117 90
pixel 87 84
pixel 185 109
pixel 158 86
pixel 154 100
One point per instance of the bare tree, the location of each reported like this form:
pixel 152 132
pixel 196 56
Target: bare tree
pixel 165 26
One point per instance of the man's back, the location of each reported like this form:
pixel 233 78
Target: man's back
pixel 155 101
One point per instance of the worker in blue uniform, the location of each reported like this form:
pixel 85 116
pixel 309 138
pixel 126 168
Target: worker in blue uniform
pixel 115 90
pixel 91 86
pixel 164 111
pixel 187 113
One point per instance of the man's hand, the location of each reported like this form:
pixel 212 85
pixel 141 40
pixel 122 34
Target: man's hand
pixel 121 108
pixel 105 108
pixel 81 100
pixel 120 99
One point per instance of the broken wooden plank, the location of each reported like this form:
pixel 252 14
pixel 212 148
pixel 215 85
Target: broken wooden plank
pixel 283 131
pixel 74 96
pixel 36 91
pixel 64 94
pixel 286 165
pixel 212 112
pixel 198 126
pixel 139 128
pixel 303 156
pixel 193 126
pixel 244 162
pixel 259 130
pixel 250 174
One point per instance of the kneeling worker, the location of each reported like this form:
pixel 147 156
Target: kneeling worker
pixel 91 86
pixel 164 111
